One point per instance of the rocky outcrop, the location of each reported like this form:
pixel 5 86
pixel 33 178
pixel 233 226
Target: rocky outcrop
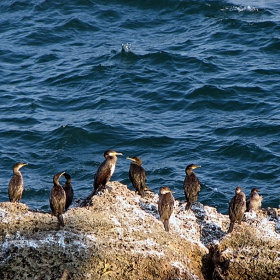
pixel 121 237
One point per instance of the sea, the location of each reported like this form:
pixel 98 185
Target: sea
pixel 174 82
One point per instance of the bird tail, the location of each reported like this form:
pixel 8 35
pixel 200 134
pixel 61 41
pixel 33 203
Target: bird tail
pixel 166 225
pixel 188 205
pixel 231 227
pixel 60 220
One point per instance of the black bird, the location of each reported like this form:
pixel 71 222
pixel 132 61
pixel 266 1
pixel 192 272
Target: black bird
pixel 165 206
pixel 137 175
pixel 16 185
pixel 237 207
pixel 254 202
pixel 191 185
pixel 58 199
pixel 68 190
pixel 105 170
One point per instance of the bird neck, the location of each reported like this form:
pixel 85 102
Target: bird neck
pixel 112 158
pixel 17 172
pixel 56 183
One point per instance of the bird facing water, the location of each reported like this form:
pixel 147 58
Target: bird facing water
pixel 67 187
pixel 105 170
pixel 165 206
pixel 58 199
pixel 137 175
pixel 16 185
pixel 237 207
pixel 191 185
pixel 254 202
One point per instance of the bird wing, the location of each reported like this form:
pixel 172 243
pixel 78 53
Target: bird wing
pixel 69 194
pixel 165 206
pixel 15 188
pixel 57 200
pixel 237 208
pixel 102 175
pixel 191 187
pixel 137 176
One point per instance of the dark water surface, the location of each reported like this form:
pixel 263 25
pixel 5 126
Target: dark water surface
pixel 175 82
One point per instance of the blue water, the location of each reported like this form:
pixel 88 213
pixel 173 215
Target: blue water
pixel 174 82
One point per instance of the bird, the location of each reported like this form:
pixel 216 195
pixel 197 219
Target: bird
pixel 237 207
pixel 105 170
pixel 58 199
pixel 191 185
pixel 137 175
pixel 165 206
pixel 16 185
pixel 254 202
pixel 67 187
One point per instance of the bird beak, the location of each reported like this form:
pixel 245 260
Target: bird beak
pixel 61 174
pixel 130 158
pixel 118 154
pixel 197 166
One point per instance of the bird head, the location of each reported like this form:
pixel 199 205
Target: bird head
pixel 111 153
pixel 136 160
pixel 254 190
pixel 191 167
pixel 67 177
pixel 19 165
pixel 238 190
pixel 164 190
pixel 57 176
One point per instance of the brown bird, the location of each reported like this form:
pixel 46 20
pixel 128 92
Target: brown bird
pixel 105 170
pixel 16 185
pixel 137 175
pixel 165 206
pixel 191 185
pixel 237 207
pixel 68 190
pixel 254 202
pixel 58 199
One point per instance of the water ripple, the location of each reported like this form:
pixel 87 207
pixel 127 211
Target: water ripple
pixel 174 82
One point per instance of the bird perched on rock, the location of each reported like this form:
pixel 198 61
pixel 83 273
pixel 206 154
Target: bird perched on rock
pixel 191 185
pixel 237 207
pixel 16 185
pixel 105 170
pixel 137 175
pixel 165 206
pixel 254 202
pixel 58 199
pixel 68 190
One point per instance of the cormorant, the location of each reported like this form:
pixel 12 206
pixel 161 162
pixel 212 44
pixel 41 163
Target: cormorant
pixel 137 175
pixel 16 185
pixel 58 199
pixel 254 202
pixel 237 207
pixel 191 185
pixel 105 170
pixel 165 206
pixel 68 190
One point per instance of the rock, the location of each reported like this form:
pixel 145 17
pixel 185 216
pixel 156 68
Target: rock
pixel 121 237
pixel 251 252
